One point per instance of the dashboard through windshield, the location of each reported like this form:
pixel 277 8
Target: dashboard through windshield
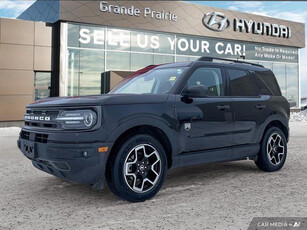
pixel 154 81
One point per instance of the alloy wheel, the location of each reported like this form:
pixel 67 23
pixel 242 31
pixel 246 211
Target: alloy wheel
pixel 275 149
pixel 142 168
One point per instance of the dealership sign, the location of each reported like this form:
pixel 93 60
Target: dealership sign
pixel 217 21
pixel 162 43
pixel 147 12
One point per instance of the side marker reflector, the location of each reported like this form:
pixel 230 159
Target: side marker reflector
pixel 103 149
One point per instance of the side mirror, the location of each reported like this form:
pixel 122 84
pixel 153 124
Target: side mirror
pixel 195 91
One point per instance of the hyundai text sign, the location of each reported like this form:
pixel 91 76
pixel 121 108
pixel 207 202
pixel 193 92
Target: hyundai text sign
pixel 217 21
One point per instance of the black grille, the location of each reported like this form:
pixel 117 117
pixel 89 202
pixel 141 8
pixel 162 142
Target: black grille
pixel 42 138
pixel 37 137
pixel 25 135
pixel 41 119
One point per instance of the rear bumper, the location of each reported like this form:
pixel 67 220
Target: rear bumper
pixel 81 163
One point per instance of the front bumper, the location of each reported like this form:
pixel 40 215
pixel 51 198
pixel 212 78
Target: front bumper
pixel 77 162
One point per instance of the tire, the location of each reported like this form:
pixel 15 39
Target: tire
pixel 273 150
pixel 137 171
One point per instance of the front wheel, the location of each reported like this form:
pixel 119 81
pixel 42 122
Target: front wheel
pixel 273 150
pixel 137 172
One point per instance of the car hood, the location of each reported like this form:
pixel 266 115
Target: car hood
pixel 105 99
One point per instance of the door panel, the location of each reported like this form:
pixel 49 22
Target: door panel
pixel 248 106
pixel 248 117
pixel 207 127
pixel 206 120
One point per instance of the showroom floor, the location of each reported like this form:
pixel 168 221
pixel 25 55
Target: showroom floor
pixel 213 196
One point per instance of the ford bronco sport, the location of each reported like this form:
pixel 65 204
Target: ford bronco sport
pixel 160 117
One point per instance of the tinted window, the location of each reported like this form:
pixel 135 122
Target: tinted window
pixel 241 83
pixel 211 80
pixel 261 85
pixel 267 77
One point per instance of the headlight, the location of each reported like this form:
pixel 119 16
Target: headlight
pixel 77 119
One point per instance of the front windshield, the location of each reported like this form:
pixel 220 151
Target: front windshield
pixel 154 81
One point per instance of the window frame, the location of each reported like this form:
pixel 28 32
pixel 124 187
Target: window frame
pixel 195 68
pixel 250 74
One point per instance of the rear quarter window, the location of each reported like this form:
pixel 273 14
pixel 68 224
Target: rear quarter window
pixel 241 83
pixel 266 81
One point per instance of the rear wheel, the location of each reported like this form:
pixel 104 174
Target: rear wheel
pixel 137 171
pixel 273 150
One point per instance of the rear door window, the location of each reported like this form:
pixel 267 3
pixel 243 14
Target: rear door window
pixel 241 83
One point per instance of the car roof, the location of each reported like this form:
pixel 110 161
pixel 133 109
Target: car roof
pixel 245 66
pixel 174 64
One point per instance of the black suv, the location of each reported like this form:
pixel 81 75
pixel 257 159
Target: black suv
pixel 160 117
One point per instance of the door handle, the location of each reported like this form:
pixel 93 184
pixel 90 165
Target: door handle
pixel 260 107
pixel 223 107
pixel 197 118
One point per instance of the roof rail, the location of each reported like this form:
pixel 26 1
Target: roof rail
pixel 210 59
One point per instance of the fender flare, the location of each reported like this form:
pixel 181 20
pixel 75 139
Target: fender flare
pixel 275 117
pixel 148 120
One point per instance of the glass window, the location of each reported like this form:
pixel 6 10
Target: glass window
pixel 268 65
pixel 210 79
pixel 167 44
pixel 162 59
pixel 264 89
pixel 92 37
pixel 91 68
pixel 241 83
pixel 118 61
pixel 182 58
pixel 73 35
pixel 139 61
pixel 194 46
pixel 142 41
pixel 267 78
pixel 292 84
pixel 152 81
pixel 280 74
pixel 85 36
pixel 84 71
pixel 118 39
pixel 42 83
pixel 194 58
pixel 73 72
pixel 42 79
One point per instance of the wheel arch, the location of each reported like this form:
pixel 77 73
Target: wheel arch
pixel 279 122
pixel 152 127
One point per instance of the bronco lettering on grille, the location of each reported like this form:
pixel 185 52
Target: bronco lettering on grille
pixel 37 118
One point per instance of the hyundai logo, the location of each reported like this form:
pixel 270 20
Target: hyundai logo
pixel 216 21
